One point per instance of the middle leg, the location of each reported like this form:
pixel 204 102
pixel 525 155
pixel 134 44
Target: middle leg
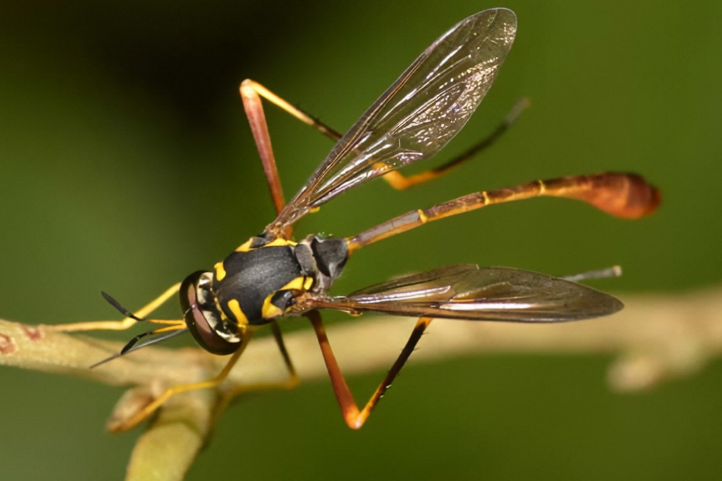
pixel 253 91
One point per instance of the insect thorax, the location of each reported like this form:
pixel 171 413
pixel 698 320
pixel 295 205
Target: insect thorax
pixel 261 279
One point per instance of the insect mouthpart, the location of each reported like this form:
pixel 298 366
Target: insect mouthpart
pixel 202 317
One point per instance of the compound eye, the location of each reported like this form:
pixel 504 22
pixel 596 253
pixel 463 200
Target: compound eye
pixel 202 317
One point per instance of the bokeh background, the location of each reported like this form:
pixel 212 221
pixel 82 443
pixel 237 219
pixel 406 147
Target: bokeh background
pixel 126 163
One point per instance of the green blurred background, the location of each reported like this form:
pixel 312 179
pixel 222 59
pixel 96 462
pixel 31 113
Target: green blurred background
pixel 127 163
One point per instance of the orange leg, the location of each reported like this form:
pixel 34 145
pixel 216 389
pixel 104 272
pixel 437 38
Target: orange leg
pixel 262 91
pixel 251 89
pixel 257 119
pixel 622 195
pixel 355 417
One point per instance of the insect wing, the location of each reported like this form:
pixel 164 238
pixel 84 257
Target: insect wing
pixel 418 114
pixel 487 294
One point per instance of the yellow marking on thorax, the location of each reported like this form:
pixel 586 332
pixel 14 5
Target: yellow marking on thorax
pixel 279 241
pixel 235 308
pixel 268 310
pixel 297 284
pixel 245 247
pixel 302 283
pixel 220 271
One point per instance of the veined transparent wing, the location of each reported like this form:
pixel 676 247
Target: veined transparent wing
pixel 418 114
pixel 487 294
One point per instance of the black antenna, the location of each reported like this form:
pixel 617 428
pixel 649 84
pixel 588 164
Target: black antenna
pixel 132 346
pixel 120 308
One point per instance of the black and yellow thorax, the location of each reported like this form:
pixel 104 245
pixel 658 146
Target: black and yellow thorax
pixel 261 279
pixel 255 284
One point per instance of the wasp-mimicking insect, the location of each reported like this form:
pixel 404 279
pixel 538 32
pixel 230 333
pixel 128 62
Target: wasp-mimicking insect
pixel 272 276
